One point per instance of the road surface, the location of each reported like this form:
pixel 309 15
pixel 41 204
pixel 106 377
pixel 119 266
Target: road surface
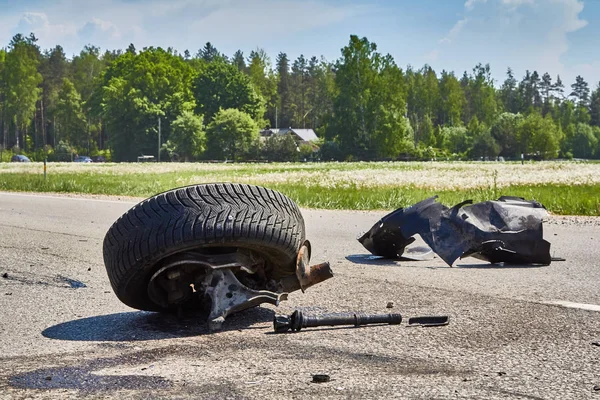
pixel 515 332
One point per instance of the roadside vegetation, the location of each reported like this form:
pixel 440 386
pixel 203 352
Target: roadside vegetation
pixel 570 188
pixel 362 106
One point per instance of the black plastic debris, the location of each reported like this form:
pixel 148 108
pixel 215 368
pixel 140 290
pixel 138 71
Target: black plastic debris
pixel 321 378
pixel 430 320
pixel 297 320
pixel 505 230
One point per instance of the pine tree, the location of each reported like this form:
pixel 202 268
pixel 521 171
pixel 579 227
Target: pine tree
pixel 284 114
pixel 581 91
pixel 238 61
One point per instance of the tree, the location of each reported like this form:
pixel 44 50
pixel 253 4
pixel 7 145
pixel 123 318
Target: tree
pixel 22 80
pixel 285 108
pixel 281 148
pixel 508 92
pixel 3 90
pixel 369 107
pixel 504 131
pixel 137 90
pixel 70 117
pixel 539 135
pixel 583 142
pixel 54 68
pixel 264 82
pixel 595 107
pixel 231 134
pixel 239 61
pixel 452 100
pixel 209 53
pixel 484 146
pixel 456 140
pixel 221 85
pixel 581 91
pixel 188 135
pixel 481 96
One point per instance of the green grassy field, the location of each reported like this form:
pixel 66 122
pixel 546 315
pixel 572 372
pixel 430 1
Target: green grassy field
pixel 563 187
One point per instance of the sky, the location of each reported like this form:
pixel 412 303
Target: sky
pixel 561 37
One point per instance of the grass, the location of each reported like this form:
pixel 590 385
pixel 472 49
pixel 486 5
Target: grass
pixel 564 188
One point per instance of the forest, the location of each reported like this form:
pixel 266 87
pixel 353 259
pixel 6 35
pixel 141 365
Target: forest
pixel 207 105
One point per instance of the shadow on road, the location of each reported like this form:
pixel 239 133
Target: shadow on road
pixel 498 266
pixel 141 325
pixel 369 259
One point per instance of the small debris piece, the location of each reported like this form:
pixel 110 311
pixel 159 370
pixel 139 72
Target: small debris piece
pixel 596 388
pixel 90 268
pixel 48 378
pixel 5 275
pixel 8 294
pixel 501 373
pixel 597 344
pixel 45 248
pixel 321 378
pixel 390 304
pixel 438 320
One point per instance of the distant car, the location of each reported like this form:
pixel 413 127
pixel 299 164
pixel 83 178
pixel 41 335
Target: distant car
pixel 84 159
pixel 19 158
pixel 98 159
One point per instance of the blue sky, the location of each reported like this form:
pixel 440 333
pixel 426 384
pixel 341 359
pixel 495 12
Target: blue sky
pixel 557 36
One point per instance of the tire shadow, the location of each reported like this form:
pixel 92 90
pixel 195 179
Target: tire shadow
pixel 499 266
pixel 142 325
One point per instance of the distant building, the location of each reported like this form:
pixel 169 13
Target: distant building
pixel 301 136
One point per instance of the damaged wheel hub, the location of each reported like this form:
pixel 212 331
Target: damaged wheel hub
pixel 231 281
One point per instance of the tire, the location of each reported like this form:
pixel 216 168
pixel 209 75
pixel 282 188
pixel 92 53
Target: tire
pixel 199 216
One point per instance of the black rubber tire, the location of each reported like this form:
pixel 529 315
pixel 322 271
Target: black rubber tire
pixel 215 215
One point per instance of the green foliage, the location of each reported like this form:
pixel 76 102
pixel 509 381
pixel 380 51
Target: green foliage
pixel 583 142
pixel 263 80
pixel 368 113
pixel 139 89
pixel 281 148
pixel 22 79
pixel 231 135
pixel 452 100
pixel 363 101
pixel 71 123
pixel 484 146
pixel 188 135
pixel 540 136
pixel 456 140
pixel 330 151
pixel 222 86
pixel 504 130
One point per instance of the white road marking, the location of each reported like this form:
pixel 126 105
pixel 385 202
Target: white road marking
pixel 569 304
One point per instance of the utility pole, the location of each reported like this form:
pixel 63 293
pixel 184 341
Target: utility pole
pixel 158 139
pixel 275 117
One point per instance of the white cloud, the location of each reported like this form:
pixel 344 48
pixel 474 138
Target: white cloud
pixel 92 30
pixel 40 25
pixel 522 34
pixel 469 4
pixel 178 23
pixel 454 31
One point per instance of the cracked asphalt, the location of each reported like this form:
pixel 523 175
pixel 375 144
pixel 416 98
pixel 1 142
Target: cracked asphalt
pixel 64 334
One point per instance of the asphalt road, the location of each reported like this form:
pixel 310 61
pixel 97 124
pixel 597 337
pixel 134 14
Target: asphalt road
pixel 508 337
